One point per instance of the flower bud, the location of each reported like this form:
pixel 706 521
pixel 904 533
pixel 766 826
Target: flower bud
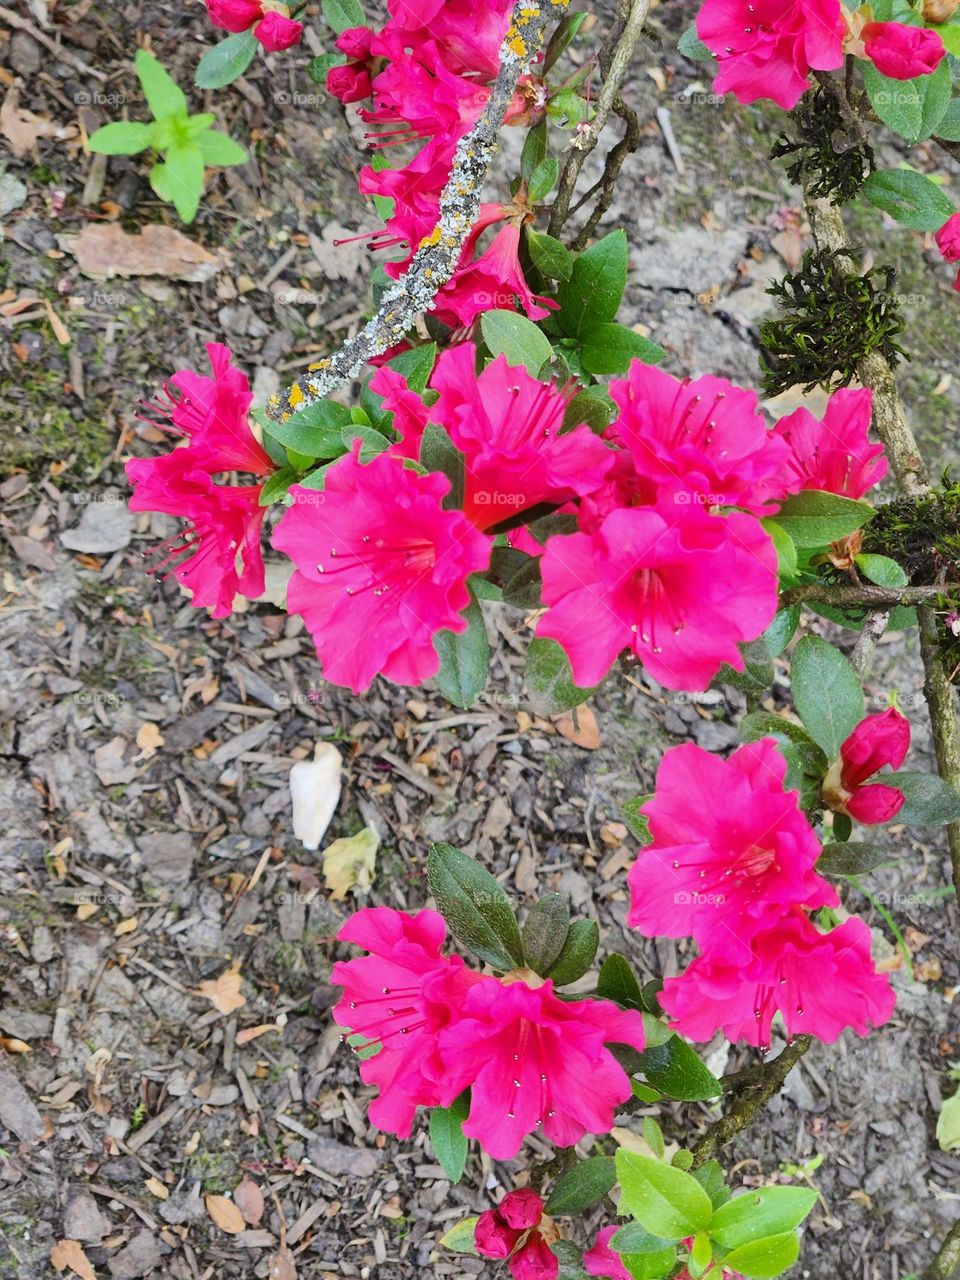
pixel 939 10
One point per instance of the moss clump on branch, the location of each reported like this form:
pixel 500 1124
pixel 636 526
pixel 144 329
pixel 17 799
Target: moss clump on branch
pixel 831 320
pixel 828 162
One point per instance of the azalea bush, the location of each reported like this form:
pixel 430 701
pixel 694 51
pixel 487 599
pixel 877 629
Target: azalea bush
pixel 496 434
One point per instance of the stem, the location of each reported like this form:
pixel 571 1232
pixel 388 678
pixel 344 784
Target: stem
pixel 865 593
pixel 436 260
pixel 584 141
pixel 947 1260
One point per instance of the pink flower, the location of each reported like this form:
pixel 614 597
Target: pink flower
pixel 601 1260
pixel 273 27
pixel 834 455
pixel 902 52
pixel 526 1055
pixel 729 846
pixel 678 588
pixel 494 281
pixel 820 983
pixel 948 238
pixel 706 437
pixel 509 1231
pixel 214 415
pixel 879 740
pixel 767 48
pixel 507 424
pixel 410 414
pixel 349 82
pixel 381 567
pixel 400 996
pixel 218 553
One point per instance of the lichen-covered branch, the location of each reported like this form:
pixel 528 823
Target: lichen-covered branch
pixel 946 1263
pixel 865 593
pixel 586 139
pixel 436 259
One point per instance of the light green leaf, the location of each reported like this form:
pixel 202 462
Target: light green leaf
pixel 164 96
pixel 666 1201
pixel 762 1259
pixel 609 348
pixel 343 14
pixel 948 1124
pixel 517 338
pixel 123 138
pixel 460 1238
pixel 593 292
pixel 815 519
pixel 767 1211
pixel 219 150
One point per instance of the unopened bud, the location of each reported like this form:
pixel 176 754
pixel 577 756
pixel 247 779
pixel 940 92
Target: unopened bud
pixel 939 10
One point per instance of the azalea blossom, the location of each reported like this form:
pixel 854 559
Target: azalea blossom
pixel 381 567
pixel 410 414
pixel 879 741
pixel 703 437
pixel 601 1260
pixel 948 242
pixel 730 846
pixel 902 52
pixel 677 587
pixel 519 1231
pixel 400 997
pixel 492 282
pixel 820 983
pixel 271 22
pixel 526 1055
pixel 767 48
pixel 508 426
pixel 834 454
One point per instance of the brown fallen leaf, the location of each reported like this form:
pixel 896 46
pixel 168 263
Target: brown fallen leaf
pixel 281 1265
pixel 23 129
pixel 68 1254
pixel 225 1214
pixel 223 992
pixel 11 1045
pixel 149 739
pixel 580 727
pixel 254 1033
pixel 349 863
pixel 248 1198
pixel 104 249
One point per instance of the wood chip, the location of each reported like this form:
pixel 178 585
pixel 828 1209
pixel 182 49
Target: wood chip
pixel 104 250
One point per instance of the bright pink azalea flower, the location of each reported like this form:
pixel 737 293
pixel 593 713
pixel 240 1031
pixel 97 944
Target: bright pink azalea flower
pixel 675 586
pixel 400 996
pixel 214 415
pixel 218 554
pixel 509 1231
pixel 410 414
pixel 381 568
pixel 507 424
pixel 272 24
pixel 948 238
pixel 526 1054
pixel 492 282
pixel 767 48
pixel 706 438
pixel 820 983
pixel 729 846
pixel 902 52
pixel 349 82
pixel 601 1260
pixel 835 454
pixel 878 741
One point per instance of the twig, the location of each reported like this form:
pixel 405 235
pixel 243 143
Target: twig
pixel 23 24
pixel 607 184
pixel 436 260
pixel 585 141
pixel 864 594
pixel 947 1260
pixel 868 640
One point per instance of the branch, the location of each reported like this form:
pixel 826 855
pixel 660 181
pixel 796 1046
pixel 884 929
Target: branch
pixel 437 258
pixel 585 141
pixel 864 594
pixel 947 1260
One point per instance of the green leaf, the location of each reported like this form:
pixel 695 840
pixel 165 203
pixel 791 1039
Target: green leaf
pixel 124 138
pixel 517 338
pixel 851 858
pixel 948 1124
pixel 475 906
pixel 757 673
pixel 692 47
pixel 545 932
pixel 560 40
pixel 592 406
pixel 710 1176
pixel 570 1259
pixel 534 149
pixel 881 570
pixel 415 365
pixel 911 198
pixel 317 69
pixel 460 1238
pixel 543 179
pixel 609 348
pixel 949 33
pixel 664 1200
pixel 634 1239
pixel 550 680
pixel 638 822
pixel 815 519
pixel 164 96
pixel 781 630
pixel 439 453
pixel 617 982
pixel 447 1136
pixel 464 658
pixel 765 724
pixel 275 486
pixel 826 693
pixel 343 14
pixel 949 126
pixel 226 61
pixel 930 802
pixel 180 179
pixel 911 108
pixel 674 1069
pixel 219 150
pixel 568 109
pixel 767 1211
pixel 578 953
pixel 548 255
pixel 582 1186
pixel 764 1258
pixel 785 548
pixel 593 292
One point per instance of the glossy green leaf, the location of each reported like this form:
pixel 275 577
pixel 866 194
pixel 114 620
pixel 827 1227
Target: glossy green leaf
pixel 545 931
pixel 517 338
pixel 815 519
pixel 464 658
pixel 475 906
pixel 762 1259
pixel 826 693
pixel 577 954
pixel 664 1200
pixel 447 1136
pixel 754 1215
pixel 593 292
pixel 582 1186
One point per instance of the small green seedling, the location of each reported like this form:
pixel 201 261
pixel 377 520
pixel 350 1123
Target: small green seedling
pixel 187 143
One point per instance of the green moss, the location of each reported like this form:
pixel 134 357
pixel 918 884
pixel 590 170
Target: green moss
pixel 218 1171
pixel 41 428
